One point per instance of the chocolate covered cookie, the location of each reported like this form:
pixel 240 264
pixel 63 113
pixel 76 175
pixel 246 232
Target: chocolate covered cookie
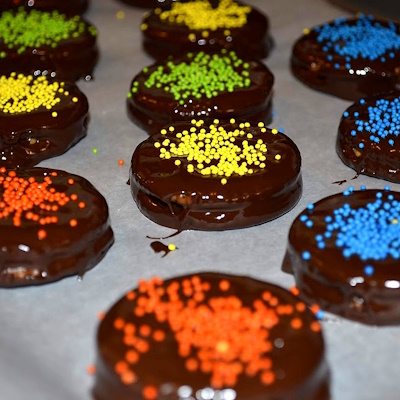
pixel 215 176
pixel 349 58
pixel 40 118
pixel 200 85
pixel 210 336
pixel 344 253
pixel 52 224
pixel 68 7
pixel 367 138
pixel 65 46
pixel 206 25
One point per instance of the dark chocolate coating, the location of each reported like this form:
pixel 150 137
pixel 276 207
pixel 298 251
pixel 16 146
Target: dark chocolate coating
pixel 153 108
pixel 68 7
pixel 144 3
pixel 66 250
pixel 336 283
pixel 380 160
pixel 28 138
pixel 297 355
pixel 72 59
pixel 162 39
pixel 171 196
pixel 309 63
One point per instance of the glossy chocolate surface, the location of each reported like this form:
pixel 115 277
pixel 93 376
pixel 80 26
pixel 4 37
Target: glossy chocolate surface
pixel 30 137
pixel 171 196
pixel 310 64
pixel 163 368
pixel 67 249
pixel 251 41
pixel 152 108
pixel 72 59
pixel 339 284
pixel 68 7
pixel 378 159
pixel 144 3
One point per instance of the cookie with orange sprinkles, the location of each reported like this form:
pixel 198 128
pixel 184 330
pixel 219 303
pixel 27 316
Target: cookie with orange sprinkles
pixel 40 118
pixel 210 336
pixel 176 28
pixel 70 7
pixel 52 224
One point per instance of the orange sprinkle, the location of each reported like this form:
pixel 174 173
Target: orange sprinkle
pixel 70 181
pixel 81 205
pixel 296 323
pixel 119 323
pixel 41 234
pixel 145 330
pixel 131 295
pixel 158 335
pixel 224 285
pixel 301 307
pixel 73 196
pixel 315 326
pixel 128 377
pixel 150 392
pixel 91 369
pixel 315 308
pixel 121 367
pixel 294 290
pixel 121 162
pixel 191 364
pixel 132 356
pixel 73 223
pixel 101 315
pixel 267 378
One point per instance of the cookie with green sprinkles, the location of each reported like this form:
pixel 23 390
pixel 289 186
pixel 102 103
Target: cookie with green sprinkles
pixel 40 118
pixel 368 136
pixel 344 253
pixel 215 176
pixel 207 25
pixel 201 85
pixel 70 7
pixel 47 42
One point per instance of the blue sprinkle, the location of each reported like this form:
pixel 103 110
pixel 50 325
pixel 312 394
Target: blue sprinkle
pixel 310 206
pixel 369 270
pixel 306 255
pixel 346 114
pixel 309 223
pixel 361 145
pixel 319 314
pixel 303 218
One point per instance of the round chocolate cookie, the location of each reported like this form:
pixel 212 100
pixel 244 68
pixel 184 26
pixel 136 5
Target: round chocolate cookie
pixel 367 138
pixel 344 252
pixel 210 336
pixel 349 58
pixel 70 7
pixel 201 85
pixel 206 25
pixel 215 177
pixel 39 118
pixel 52 224
pixel 63 46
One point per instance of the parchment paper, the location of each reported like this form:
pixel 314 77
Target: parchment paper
pixel 47 334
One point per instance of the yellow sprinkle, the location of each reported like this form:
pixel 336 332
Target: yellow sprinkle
pixel 227 32
pixel 278 157
pixel 171 128
pixel 274 131
pixel 261 124
pixel 163 132
pixel 395 221
pixel 306 31
pixel 54 114
pixel 192 37
pixel 120 14
pixel 75 99
pixel 178 162
pixel 232 120
pixel 224 181
pixel 171 247
pixel 143 27
pixel 157 145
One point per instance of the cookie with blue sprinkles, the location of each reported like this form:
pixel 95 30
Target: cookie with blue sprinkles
pixel 349 58
pixel 344 253
pixel 368 137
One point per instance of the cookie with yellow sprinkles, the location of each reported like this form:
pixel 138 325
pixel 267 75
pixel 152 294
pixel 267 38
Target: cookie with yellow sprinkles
pixel 193 175
pixel 65 46
pixel 53 224
pixel 70 7
pixel 201 85
pixel 210 336
pixel 40 118
pixel 207 25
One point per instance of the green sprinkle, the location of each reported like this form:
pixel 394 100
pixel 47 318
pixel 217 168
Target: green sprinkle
pixel 33 29
pixel 94 151
pixel 204 75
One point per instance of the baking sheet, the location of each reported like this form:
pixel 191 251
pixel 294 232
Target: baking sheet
pixel 47 335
